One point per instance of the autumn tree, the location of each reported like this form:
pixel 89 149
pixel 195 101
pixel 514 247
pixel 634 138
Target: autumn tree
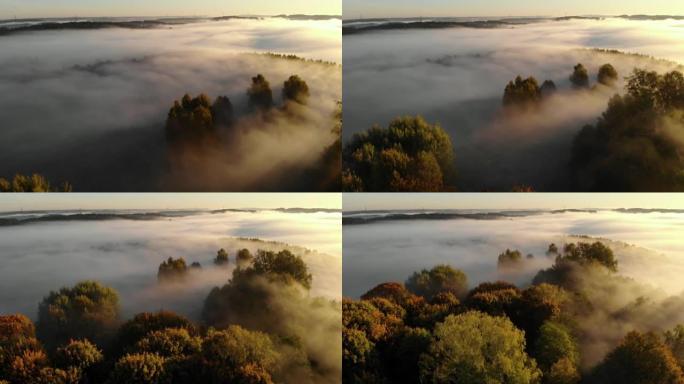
pixel 87 310
pixel 441 278
pixel 641 358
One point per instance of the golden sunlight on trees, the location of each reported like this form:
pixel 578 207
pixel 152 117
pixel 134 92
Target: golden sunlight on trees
pixel 409 155
pixel 635 145
pixel 294 338
pixel 33 183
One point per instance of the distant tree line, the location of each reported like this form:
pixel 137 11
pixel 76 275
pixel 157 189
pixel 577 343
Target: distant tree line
pixel 435 329
pixel 79 336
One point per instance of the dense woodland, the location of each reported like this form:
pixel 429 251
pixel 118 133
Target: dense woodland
pixel 636 145
pixel 254 329
pixel 434 328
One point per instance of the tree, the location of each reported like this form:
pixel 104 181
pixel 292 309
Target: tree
pixel 80 354
pixel 552 250
pixel 17 344
pixel 172 269
pixel 282 265
pixel 641 358
pixel 88 310
pixel 295 89
pixel 580 77
pixel 555 343
pixel 674 339
pixel 144 368
pixel 234 355
pixel 144 323
pixel 408 155
pixel 521 92
pixel 547 89
pixel 243 258
pixel 509 259
pixel 403 354
pixel 495 299
pixel 441 278
pixel 32 183
pixel 607 75
pixel 169 342
pixel 222 111
pixel 221 257
pixel 190 118
pixel 477 348
pixel 394 292
pixel 631 147
pixel 260 96
pixel 563 371
pixel 586 253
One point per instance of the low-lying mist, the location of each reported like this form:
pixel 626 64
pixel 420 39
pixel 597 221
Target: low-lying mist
pixel 459 78
pixel 125 254
pixel 89 107
pixel 645 294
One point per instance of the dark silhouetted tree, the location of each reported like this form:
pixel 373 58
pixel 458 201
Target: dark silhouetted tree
pixel 295 89
pixel 222 111
pixel 607 75
pixel 509 259
pixel 243 258
pixel 221 258
pixel 172 269
pixel 547 89
pixel 259 94
pixel 580 77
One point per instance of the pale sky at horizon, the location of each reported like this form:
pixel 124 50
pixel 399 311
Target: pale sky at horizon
pixel 471 8
pixel 153 201
pixel 121 8
pixel 512 201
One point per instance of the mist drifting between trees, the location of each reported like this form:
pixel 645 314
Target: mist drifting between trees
pixel 515 108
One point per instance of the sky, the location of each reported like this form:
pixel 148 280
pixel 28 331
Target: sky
pixel 119 8
pixel 408 201
pixel 159 201
pixel 407 8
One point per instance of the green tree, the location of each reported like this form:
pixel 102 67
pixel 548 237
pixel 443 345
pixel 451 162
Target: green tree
pixel 259 94
pixel 408 155
pixel 580 77
pixel 87 310
pixel 523 93
pixel 172 269
pixel 441 278
pixel 235 355
pixel 477 348
pixel 295 89
pixel 509 259
pixel 190 118
pixel 641 358
pixel 555 343
pixel 144 368
pixel 221 257
pixel 282 265
pixel 607 75
pixel 633 145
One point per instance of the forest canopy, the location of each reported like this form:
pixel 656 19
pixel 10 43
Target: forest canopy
pixel 81 337
pixel 409 155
